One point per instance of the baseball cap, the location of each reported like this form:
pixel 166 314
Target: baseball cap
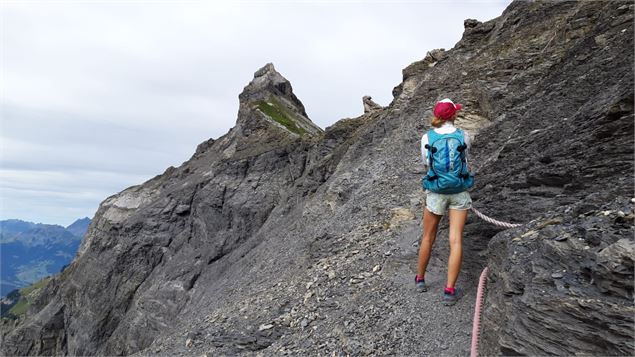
pixel 445 109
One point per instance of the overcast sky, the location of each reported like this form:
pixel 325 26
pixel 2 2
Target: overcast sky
pixel 97 96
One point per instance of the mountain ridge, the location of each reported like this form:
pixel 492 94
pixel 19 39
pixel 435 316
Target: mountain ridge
pixel 31 251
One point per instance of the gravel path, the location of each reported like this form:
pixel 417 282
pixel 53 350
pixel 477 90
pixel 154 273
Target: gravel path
pixel 360 300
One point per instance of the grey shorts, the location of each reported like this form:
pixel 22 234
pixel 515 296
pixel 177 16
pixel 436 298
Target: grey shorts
pixel 438 203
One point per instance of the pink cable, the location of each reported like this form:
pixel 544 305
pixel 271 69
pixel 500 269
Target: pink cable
pixel 476 325
pixel 493 221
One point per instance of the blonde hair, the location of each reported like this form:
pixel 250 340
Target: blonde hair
pixel 437 122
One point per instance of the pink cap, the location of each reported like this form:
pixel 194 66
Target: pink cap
pixel 445 109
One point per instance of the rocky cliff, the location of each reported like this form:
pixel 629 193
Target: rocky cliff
pixel 281 238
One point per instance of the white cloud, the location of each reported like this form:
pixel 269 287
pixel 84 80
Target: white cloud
pixel 128 88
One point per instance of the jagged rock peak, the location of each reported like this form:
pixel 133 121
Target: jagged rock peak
pixel 416 69
pixel 269 97
pixel 267 82
pixel 469 23
pixel 268 68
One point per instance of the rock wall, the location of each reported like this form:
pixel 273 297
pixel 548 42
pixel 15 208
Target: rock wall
pixel 569 273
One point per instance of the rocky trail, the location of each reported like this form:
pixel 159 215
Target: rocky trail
pixel 341 312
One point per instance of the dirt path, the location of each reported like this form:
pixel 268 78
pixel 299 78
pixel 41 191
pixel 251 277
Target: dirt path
pixel 436 329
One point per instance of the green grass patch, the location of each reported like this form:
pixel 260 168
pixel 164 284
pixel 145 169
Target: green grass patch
pixel 37 285
pixel 276 111
pixel 19 308
pixel 24 301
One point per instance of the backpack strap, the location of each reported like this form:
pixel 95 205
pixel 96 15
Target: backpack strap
pixel 432 137
pixel 461 138
pixel 461 149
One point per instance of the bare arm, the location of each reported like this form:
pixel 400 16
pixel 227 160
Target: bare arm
pixel 424 151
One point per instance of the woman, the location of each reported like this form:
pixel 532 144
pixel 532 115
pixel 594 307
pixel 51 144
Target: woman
pixel 446 189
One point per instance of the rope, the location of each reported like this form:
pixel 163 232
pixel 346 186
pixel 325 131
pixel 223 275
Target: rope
pixel 476 325
pixel 493 221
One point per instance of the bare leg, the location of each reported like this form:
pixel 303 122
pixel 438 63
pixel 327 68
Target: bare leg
pixel 457 222
pixel 430 225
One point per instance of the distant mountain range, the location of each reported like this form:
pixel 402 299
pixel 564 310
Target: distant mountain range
pixel 30 251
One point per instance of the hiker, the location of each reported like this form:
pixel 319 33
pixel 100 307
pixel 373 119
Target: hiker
pixel 444 153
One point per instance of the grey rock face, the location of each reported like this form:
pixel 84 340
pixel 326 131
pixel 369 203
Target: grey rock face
pixel 273 240
pixel 369 104
pixel 411 73
pixel 543 288
pixel 269 97
pixel 149 244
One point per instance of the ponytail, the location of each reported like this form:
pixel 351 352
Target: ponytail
pixel 436 122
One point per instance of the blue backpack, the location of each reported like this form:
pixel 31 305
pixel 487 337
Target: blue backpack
pixel 447 165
